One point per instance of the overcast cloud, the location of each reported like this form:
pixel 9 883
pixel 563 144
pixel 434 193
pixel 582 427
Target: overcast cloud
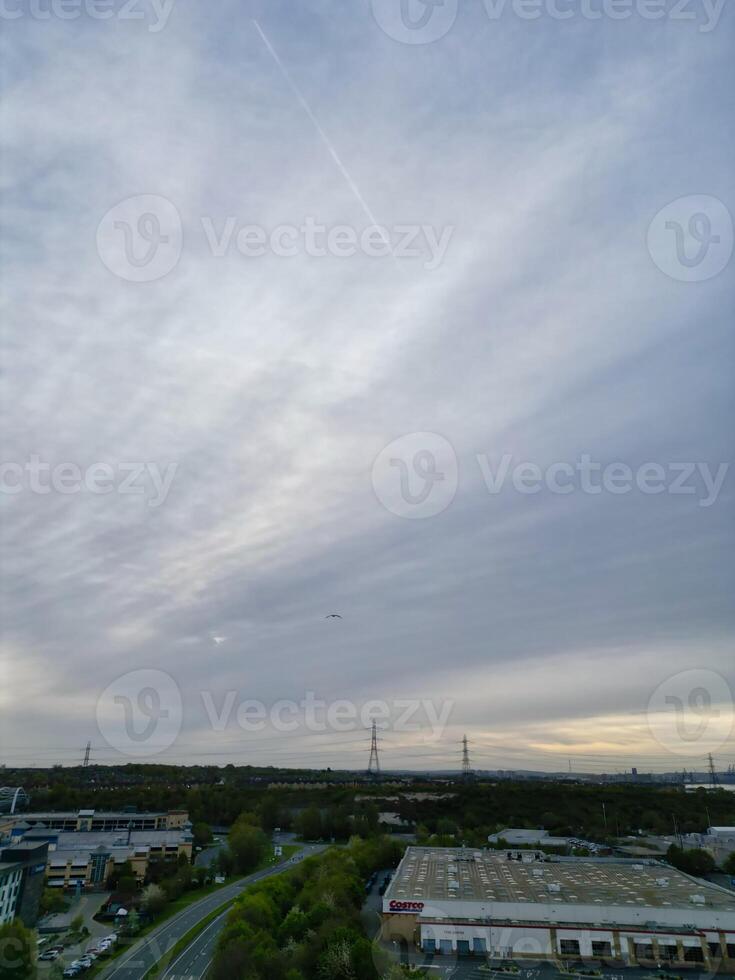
pixel 267 386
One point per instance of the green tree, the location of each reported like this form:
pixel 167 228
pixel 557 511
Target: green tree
pixel 52 900
pixel 694 862
pixel 202 834
pixel 133 923
pixel 118 873
pixel 17 952
pixel 56 971
pixel 729 864
pixel 309 823
pixel 153 900
pixel 248 846
pixel 269 813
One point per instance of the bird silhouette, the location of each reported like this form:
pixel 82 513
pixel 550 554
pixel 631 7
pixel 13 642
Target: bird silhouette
pixel 333 616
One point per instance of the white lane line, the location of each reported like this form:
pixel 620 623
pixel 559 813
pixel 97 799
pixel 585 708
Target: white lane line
pixel 146 943
pixel 188 949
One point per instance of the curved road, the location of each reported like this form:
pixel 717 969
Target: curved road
pixel 135 963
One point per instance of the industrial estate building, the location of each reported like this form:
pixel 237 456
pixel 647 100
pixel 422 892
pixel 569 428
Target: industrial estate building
pixel 88 859
pixel 528 905
pixel 21 881
pixel 91 820
pixel 82 850
pixel 11 874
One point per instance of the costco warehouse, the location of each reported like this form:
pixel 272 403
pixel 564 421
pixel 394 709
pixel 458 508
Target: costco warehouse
pixel 527 905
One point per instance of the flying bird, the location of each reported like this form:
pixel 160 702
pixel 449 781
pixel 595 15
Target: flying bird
pixel 220 639
pixel 333 616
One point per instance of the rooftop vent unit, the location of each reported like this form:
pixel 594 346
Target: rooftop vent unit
pixel 697 899
pixel 553 886
pixel 662 882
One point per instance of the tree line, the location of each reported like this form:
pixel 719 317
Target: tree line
pixel 306 923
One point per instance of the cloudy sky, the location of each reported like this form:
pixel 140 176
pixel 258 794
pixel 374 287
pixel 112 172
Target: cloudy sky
pixel 290 293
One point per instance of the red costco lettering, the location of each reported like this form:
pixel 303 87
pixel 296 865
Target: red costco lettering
pixel 406 906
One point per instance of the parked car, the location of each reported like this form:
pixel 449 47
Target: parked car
pixel 72 971
pixel 50 954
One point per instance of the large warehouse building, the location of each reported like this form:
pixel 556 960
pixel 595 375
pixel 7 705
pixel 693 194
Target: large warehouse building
pixel 526 905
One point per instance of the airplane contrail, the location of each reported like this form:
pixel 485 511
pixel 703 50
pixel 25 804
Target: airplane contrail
pixel 325 139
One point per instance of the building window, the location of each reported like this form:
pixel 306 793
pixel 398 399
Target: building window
pixel 666 952
pixel 569 947
pixel 694 954
pixel 715 950
pixel 601 950
pixel 643 951
pixel 731 951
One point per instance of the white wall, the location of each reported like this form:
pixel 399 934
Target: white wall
pixel 638 915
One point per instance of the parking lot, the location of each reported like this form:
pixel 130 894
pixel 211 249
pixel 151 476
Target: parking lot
pixel 76 959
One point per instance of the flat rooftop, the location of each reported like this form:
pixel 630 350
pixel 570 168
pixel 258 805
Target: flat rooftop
pixel 110 838
pixel 441 874
pixel 96 814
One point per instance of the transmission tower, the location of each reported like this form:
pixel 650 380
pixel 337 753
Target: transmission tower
pixel 86 755
pixel 466 767
pixel 374 764
pixel 712 770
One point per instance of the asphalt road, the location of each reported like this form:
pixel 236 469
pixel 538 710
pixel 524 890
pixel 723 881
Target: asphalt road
pixel 133 964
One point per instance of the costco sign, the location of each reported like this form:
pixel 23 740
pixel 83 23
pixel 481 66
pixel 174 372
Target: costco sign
pixel 406 906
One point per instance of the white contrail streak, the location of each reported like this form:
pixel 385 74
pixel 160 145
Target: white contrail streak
pixel 325 139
